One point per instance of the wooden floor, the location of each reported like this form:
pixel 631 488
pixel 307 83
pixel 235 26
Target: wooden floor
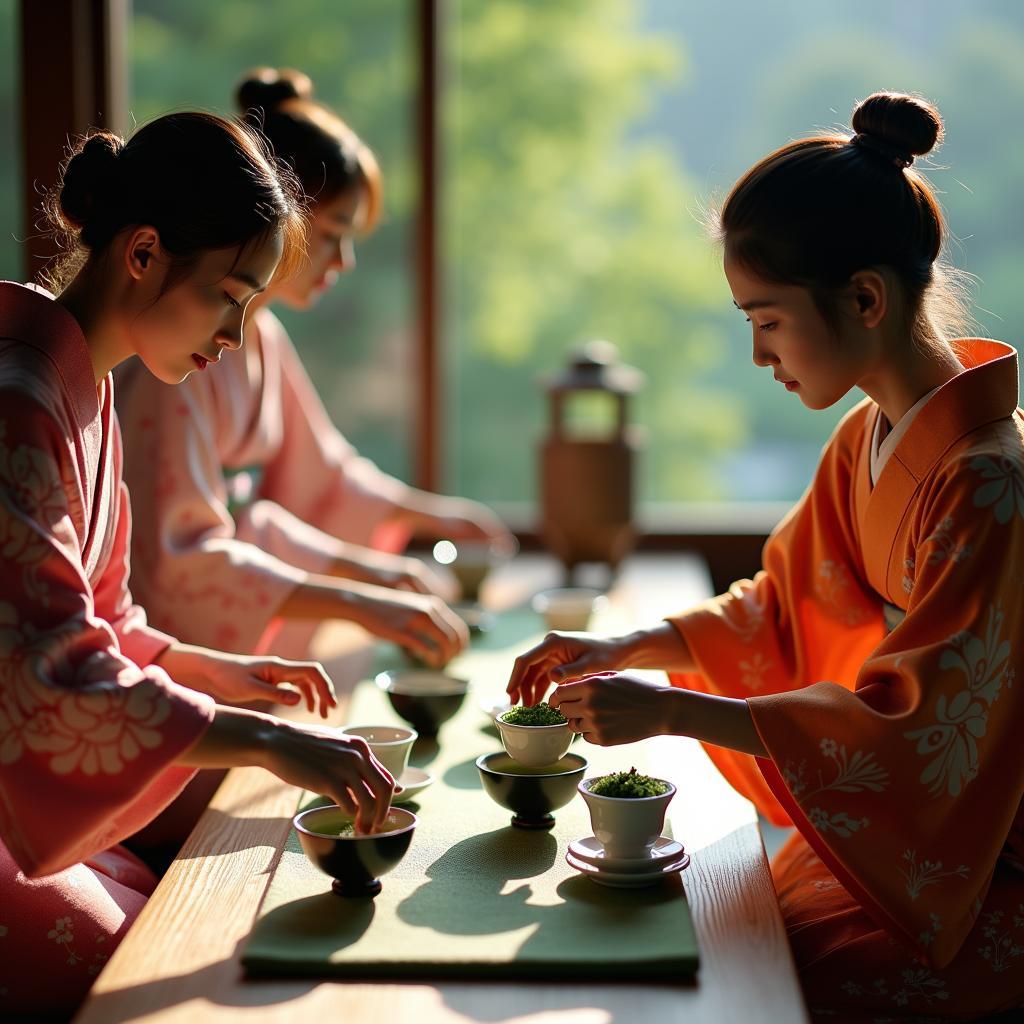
pixel 180 962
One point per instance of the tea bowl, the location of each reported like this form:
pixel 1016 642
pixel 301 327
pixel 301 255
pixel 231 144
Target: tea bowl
pixel 530 793
pixel 354 861
pixel 627 827
pixel 534 745
pixel 389 744
pixel 425 698
pixel 568 608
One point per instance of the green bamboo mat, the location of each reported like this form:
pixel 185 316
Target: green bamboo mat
pixel 474 897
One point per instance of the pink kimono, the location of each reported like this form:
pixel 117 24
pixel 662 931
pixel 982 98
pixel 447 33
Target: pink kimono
pixel 881 654
pixel 89 727
pixel 240 484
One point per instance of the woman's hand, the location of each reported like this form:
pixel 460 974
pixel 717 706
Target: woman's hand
pixel 424 625
pixel 315 758
pixel 396 572
pixel 242 679
pixel 562 657
pixel 437 516
pixel 613 708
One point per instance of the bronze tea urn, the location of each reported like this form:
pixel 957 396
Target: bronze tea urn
pixel 588 461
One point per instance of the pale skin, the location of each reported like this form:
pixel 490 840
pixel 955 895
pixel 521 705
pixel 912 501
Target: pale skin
pixel 869 349
pixel 120 302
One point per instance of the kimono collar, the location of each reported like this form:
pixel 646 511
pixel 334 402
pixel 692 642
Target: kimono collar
pixel 32 316
pixel 986 391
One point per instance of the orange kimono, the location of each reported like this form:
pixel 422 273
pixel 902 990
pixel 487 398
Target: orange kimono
pixel 879 651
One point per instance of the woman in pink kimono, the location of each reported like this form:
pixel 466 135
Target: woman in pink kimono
pixel 240 481
pixel 102 718
pixel 864 687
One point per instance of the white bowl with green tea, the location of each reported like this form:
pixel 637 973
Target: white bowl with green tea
pixel 534 736
pixel 627 810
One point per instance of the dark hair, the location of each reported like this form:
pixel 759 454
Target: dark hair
pixel 204 182
pixel 326 155
pixel 817 210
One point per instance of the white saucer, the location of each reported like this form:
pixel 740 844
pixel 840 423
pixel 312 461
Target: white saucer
pixel 590 851
pixel 413 782
pixel 630 880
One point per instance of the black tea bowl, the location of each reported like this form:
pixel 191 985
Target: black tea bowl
pixel 531 793
pixel 426 698
pixel 353 861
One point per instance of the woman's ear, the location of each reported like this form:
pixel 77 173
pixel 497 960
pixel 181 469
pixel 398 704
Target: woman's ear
pixel 871 297
pixel 142 252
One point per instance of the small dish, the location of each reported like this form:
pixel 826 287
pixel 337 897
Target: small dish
pixel 425 698
pixel 568 608
pixel 590 851
pixel 477 619
pixel 534 745
pixel 494 706
pixel 628 880
pixel 355 862
pixel 413 782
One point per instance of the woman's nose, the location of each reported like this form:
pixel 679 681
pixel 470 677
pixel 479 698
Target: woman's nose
pixel 344 257
pixel 762 357
pixel 230 335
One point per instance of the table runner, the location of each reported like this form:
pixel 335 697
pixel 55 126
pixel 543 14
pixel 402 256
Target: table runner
pixel 474 897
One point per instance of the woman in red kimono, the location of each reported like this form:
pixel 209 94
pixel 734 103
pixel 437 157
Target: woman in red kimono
pixel 255 483
pixel 865 686
pixel 103 719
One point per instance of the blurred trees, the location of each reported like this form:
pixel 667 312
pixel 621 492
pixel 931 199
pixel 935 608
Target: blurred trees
pixel 582 138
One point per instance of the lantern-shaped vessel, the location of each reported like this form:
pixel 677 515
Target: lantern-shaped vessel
pixel 588 461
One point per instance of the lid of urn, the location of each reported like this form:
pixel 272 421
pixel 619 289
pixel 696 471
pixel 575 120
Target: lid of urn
pixel 595 367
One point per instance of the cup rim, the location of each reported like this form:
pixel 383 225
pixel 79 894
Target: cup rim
pixel 569 597
pixel 483 767
pixel 502 724
pixel 412 738
pixel 668 794
pixel 390 682
pixel 300 827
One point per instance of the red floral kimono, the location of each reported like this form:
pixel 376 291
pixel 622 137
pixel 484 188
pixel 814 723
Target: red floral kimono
pixel 240 485
pixel 89 727
pixel 879 652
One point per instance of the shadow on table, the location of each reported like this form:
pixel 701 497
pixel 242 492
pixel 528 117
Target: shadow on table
pixel 464 775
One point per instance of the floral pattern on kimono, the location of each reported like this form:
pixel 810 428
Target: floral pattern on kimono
pixel 89 727
pixel 894 752
pixel 216 574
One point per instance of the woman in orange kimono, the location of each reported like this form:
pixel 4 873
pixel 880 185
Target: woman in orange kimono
pixel 865 685
pixel 102 718
pixel 254 483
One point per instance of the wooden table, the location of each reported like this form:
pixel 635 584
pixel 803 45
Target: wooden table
pixel 180 962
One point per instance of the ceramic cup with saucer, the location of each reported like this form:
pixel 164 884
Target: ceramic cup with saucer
pixel 628 879
pixel 413 781
pixel 590 851
pixel 389 744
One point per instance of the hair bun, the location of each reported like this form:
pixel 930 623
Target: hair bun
pixel 87 177
pixel 906 123
pixel 267 87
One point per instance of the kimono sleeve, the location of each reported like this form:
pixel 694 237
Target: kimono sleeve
pixel 317 474
pixel 907 786
pixel 88 739
pixel 192 573
pixel 807 615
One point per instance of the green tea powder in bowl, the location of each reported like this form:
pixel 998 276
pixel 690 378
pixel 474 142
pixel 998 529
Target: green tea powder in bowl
pixel 537 714
pixel 630 785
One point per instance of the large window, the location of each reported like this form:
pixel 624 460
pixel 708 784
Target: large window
pixel 580 142
pixel 11 227
pixel 356 342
